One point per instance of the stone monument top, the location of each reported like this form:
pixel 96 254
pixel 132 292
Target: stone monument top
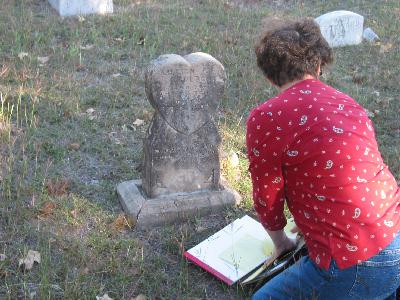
pixel 341 28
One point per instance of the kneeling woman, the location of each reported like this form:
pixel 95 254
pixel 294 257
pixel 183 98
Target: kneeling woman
pixel 315 148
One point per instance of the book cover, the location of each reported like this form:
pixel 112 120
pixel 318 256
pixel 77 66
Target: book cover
pixel 233 252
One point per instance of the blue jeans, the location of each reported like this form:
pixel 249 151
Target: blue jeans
pixel 376 278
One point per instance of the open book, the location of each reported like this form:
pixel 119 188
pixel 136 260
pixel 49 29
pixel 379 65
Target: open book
pixel 235 251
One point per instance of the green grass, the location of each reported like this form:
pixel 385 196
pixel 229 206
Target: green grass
pixel 45 108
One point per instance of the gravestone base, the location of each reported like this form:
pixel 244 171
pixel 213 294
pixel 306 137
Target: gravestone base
pixel 172 208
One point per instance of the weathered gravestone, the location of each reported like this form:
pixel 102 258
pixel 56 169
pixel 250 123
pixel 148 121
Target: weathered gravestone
pixel 341 28
pixel 181 174
pixel 181 150
pixel 82 7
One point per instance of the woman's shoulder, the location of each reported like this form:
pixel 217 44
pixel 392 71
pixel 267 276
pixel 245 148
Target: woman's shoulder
pixel 266 110
pixel 322 88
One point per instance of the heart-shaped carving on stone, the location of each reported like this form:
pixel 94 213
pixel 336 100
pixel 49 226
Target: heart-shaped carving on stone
pixel 185 91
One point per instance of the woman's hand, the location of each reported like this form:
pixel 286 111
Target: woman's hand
pixel 295 229
pixel 282 245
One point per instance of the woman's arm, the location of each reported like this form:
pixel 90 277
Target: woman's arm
pixel 282 244
pixel 281 241
pixel 265 146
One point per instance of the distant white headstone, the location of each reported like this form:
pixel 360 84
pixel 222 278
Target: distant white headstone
pixel 82 7
pixel 370 35
pixel 341 27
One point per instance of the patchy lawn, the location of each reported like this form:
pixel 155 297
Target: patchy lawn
pixel 71 90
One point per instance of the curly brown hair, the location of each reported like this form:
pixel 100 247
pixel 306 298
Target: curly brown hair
pixel 289 50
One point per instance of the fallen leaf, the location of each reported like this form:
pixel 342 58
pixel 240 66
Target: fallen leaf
pixel 138 122
pixel 104 297
pixel 231 41
pixel 228 5
pixel 90 111
pixel 3 257
pixel 74 146
pixel 33 201
pixel 139 167
pixel 370 114
pixel 4 70
pixel 233 159
pixel 200 228
pixel 87 47
pixel 74 213
pixel 359 79
pixel 116 75
pixel 43 59
pixel 58 187
pixel 123 222
pixel 385 48
pixel 30 259
pixel 47 209
pixel 22 55
pixel 142 40
pixel 67 113
pixel 3 273
pixel 147 115
pixel 80 68
pixel 377 93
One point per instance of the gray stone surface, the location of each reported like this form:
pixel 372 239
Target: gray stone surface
pixel 341 28
pixel 181 176
pixel 181 150
pixel 172 208
pixel 82 7
pixel 131 197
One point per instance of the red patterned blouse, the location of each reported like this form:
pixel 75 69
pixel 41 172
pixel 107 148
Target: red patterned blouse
pixel 315 147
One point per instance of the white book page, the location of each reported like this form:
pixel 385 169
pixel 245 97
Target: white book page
pixel 238 248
